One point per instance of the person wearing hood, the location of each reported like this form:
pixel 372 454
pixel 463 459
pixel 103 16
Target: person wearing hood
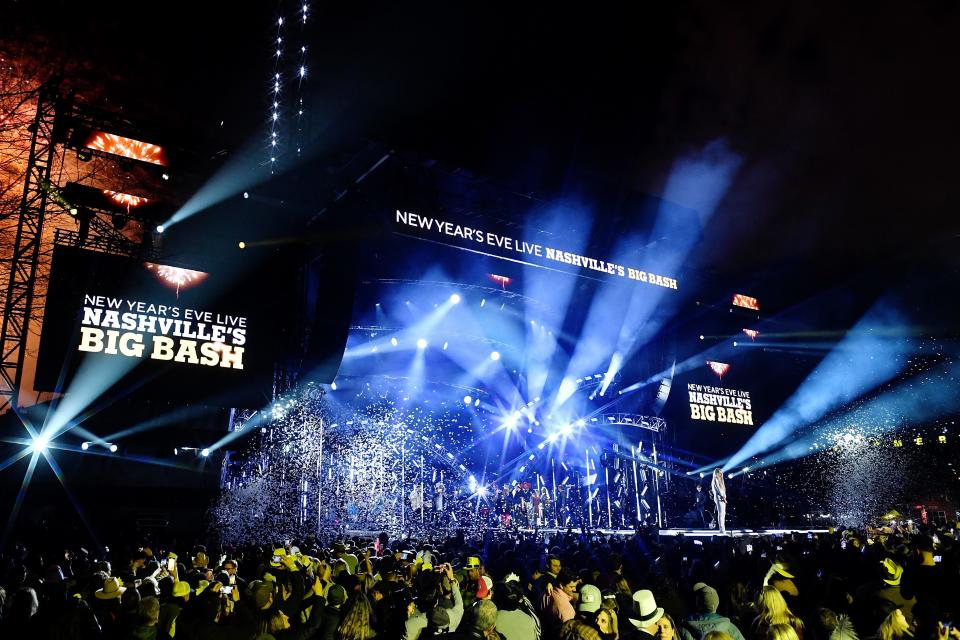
pixel 706 618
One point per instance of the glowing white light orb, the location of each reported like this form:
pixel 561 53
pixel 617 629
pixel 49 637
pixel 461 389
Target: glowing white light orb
pixel 467 399
pixel 85 446
pixel 494 355
pixel 421 343
pixel 159 228
pixel 205 453
pixel 455 298
pixel 394 341
pixel 113 448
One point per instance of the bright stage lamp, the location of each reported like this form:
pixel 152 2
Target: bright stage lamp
pixel 455 298
pixel 482 492
pixel 205 453
pixel 85 446
pixel 467 399
pixel 333 386
pixel 113 448
pixel 494 355
pixel 242 244
pixel 159 228
pixel 39 444
pixel 421 343
pixel 394 341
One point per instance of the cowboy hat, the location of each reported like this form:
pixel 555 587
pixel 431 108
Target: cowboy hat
pixel 645 610
pixel 111 589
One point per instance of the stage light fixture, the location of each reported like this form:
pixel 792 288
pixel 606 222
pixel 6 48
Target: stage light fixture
pixel 165 176
pixel 176 451
pixel 494 355
pixel 467 400
pixel 394 341
pixel 482 492
pixel 246 196
pixel 39 444
pixel 73 211
pixel 421 343
pixel 455 298
pixel 581 423
pixel 159 228
pixel 85 446
pixel 205 453
pixel 333 386
pixel 113 448
pixel 701 337
pixel 84 155
pixel 445 344
pixel 242 244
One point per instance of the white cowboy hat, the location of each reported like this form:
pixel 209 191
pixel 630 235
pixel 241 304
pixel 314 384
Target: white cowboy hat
pixel 645 610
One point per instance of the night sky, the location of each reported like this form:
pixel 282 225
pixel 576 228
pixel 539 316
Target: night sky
pixel 845 120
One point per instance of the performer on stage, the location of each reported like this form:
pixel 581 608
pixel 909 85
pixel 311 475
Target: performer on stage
pixel 700 505
pixel 719 492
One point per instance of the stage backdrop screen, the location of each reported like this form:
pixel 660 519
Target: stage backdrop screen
pixel 161 330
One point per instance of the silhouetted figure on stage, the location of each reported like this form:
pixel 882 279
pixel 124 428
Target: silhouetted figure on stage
pixel 700 505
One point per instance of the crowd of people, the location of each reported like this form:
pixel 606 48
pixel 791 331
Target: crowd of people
pixel 892 584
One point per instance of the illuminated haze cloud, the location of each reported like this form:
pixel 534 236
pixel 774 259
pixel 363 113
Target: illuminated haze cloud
pixel 873 352
pixel 921 398
pixel 621 322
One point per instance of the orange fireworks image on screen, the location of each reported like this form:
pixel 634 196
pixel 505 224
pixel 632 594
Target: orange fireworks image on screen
pixel 719 368
pixel 746 302
pixel 125 199
pixel 503 281
pixel 176 278
pixel 126 147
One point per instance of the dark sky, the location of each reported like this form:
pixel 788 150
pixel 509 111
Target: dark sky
pixel 846 119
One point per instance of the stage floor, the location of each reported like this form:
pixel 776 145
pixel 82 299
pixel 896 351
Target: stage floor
pixel 696 533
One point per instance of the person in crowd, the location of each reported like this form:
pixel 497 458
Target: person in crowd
pixel 644 617
pixel 357 622
pixel 149 610
pixel 607 624
pixel 19 621
pixel 772 609
pixel 894 627
pixel 560 601
pixel 584 625
pixel 516 617
pixel 667 628
pixel 782 632
pixel 484 624
pixel 332 614
pixel 706 618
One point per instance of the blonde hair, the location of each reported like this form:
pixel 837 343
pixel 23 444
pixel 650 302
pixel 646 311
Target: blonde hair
pixel 355 624
pixel 773 609
pixel 782 632
pixel 893 627
pixel 612 613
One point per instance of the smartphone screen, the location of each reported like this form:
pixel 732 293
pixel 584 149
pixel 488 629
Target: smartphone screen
pixel 227 590
pixel 233 579
pixel 749 548
pixel 171 564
